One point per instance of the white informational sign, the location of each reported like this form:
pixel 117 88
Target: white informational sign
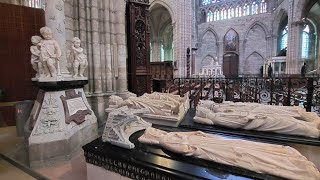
pixel 75 104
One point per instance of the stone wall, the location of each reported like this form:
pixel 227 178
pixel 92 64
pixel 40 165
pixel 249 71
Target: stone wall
pixel 254 40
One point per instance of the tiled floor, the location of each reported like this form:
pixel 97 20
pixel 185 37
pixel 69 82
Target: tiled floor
pixel 14 148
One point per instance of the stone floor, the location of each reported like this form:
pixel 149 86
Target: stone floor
pixel 14 148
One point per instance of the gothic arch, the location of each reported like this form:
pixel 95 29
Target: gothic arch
pixel 209 29
pixel 281 15
pixel 161 3
pixel 302 9
pixel 253 63
pixel 257 23
pixel 208 58
pixel 255 52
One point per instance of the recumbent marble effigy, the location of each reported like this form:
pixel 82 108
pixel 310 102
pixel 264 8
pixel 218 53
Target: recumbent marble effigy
pixel 254 116
pixel 278 160
pixel 164 108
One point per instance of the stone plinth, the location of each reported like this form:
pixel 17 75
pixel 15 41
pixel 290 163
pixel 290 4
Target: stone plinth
pixel 61 122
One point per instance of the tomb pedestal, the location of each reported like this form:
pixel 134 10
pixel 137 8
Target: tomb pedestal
pixel 60 122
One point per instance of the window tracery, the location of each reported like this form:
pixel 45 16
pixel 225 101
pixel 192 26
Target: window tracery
pixel 35 3
pixel 227 9
pixel 284 38
pixel 305 42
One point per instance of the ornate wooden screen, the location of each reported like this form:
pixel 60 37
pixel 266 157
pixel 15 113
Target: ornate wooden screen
pixel 17 25
pixel 139 46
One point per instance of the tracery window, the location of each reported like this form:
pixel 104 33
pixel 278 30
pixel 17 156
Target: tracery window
pixel 216 15
pixel 224 13
pixel 254 8
pixel 226 9
pixel 210 16
pixel 206 2
pixel 162 53
pixel 305 42
pixel 246 10
pixel 35 3
pixel 284 38
pixel 263 7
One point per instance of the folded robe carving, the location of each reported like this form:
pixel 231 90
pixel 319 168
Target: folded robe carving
pixel 278 160
pixel 164 108
pixel 259 117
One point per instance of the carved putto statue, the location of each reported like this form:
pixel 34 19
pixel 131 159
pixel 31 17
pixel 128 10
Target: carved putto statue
pixel 35 55
pixel 78 58
pixel 278 160
pixel 259 117
pixel 50 53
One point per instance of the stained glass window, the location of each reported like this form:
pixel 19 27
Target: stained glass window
pixel 228 11
pixel 232 12
pixel 224 13
pixel 209 16
pixel 237 11
pixel 35 3
pixel 216 15
pixel 284 38
pixel 305 42
pixel 254 8
pixel 162 53
pixel 206 2
pixel 263 7
pixel 246 10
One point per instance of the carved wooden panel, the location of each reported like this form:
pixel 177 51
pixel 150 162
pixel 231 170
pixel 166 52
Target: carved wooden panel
pixel 139 46
pixel 17 25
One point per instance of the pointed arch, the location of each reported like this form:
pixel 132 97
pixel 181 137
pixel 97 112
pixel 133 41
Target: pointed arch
pixel 302 9
pixel 209 29
pixel 276 23
pixel 256 53
pixel 161 3
pixel 253 63
pixel 206 60
pixel 257 23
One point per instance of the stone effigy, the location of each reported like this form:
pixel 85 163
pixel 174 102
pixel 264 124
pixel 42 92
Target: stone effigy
pixel 278 160
pixel 121 124
pixel 164 108
pixel 253 116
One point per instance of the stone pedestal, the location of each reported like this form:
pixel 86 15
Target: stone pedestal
pixel 61 122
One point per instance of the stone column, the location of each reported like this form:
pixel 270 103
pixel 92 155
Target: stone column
pixel 293 55
pixel 96 47
pixel 122 86
pixel 108 47
pixel 193 61
pixel 54 12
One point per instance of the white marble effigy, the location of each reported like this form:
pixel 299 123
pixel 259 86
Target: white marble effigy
pixel 278 160
pixel 164 108
pixel 259 117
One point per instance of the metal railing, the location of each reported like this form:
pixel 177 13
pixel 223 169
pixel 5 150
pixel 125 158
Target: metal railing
pixel 284 91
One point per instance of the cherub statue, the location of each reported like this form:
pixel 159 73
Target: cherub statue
pixel 50 53
pixel 35 55
pixel 78 58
